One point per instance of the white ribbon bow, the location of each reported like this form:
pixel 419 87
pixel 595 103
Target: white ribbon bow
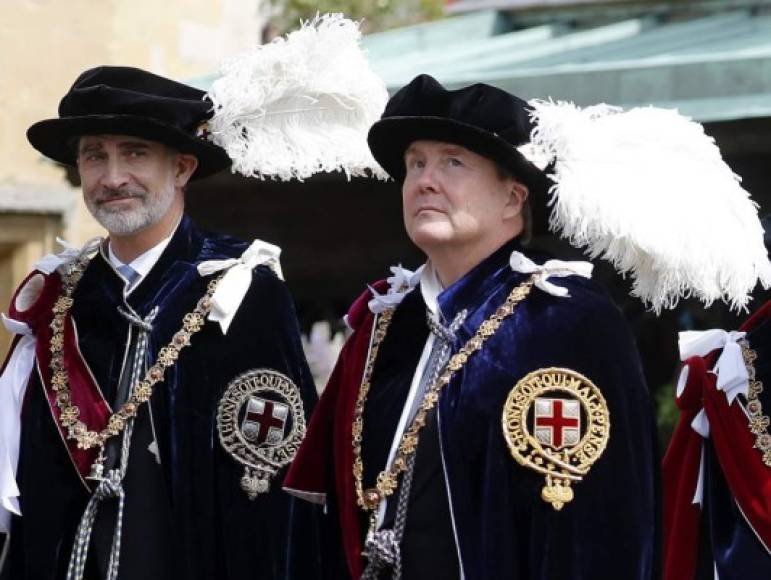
pixel 552 268
pixel 234 285
pixel 732 376
pixel 700 424
pixel 13 385
pixel 52 262
pixel 400 283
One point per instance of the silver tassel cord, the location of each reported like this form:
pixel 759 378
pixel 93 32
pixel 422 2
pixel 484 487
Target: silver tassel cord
pixel 111 486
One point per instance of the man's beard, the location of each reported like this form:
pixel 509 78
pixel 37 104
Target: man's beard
pixel 124 221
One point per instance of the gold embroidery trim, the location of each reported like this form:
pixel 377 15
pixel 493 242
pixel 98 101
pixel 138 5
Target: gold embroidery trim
pixel 261 460
pixel 386 482
pixel 568 463
pixel 759 422
pixel 68 412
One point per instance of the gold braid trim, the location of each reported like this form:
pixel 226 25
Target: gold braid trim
pixel 387 479
pixel 758 421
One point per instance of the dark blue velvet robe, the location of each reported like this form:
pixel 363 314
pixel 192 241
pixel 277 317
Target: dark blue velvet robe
pixel 217 531
pixel 504 529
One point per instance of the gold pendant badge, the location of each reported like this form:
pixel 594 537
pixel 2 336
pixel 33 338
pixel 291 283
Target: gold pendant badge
pixel 556 422
pixel 261 423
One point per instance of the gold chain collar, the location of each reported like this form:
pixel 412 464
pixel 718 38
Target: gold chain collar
pixel 69 413
pixel 386 482
pixel 758 421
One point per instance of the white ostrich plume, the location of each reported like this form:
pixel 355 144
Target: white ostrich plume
pixel 300 105
pixel 648 191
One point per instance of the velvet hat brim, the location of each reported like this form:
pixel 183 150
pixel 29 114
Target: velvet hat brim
pixel 389 138
pixel 54 138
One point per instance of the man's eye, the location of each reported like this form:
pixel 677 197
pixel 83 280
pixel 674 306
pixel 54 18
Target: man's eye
pixel 136 154
pixel 454 162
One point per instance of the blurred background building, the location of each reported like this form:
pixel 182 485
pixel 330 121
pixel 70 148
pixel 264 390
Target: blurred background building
pixel 710 59
pixel 44 45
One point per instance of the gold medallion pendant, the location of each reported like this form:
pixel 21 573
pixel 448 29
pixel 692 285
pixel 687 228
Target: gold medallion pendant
pixel 556 422
pixel 261 423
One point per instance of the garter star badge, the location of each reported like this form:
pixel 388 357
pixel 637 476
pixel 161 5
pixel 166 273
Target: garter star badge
pixel 261 423
pixel 556 422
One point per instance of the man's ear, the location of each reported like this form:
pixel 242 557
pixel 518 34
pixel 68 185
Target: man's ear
pixel 518 194
pixel 185 165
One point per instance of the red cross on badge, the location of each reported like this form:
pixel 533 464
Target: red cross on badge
pixel 557 422
pixel 264 421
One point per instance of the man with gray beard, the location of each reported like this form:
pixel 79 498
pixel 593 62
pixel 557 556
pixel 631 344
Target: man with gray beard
pixel 151 207
pixel 159 373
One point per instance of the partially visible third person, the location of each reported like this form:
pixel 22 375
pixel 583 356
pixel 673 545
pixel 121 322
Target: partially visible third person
pixel 717 469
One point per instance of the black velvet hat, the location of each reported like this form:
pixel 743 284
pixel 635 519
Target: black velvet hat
pixel 766 223
pixel 484 119
pixel 129 101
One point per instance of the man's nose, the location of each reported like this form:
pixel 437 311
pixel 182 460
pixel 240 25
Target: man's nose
pixel 427 179
pixel 115 175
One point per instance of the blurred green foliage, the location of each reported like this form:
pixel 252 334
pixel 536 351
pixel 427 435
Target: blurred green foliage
pixel 377 15
pixel 667 413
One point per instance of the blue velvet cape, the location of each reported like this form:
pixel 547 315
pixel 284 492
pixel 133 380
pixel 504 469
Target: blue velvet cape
pixel 217 531
pixel 504 530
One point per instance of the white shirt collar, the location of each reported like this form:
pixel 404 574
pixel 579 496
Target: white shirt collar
pixel 431 287
pixel 143 263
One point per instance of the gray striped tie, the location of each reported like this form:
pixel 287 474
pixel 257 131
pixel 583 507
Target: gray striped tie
pixel 129 274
